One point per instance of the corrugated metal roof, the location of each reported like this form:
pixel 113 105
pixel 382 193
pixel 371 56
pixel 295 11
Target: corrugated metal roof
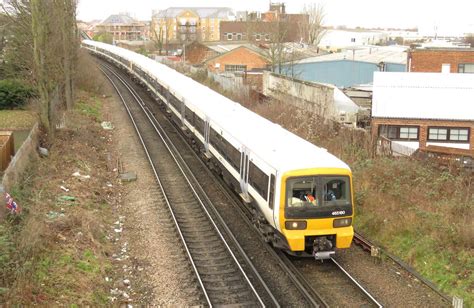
pixel 376 54
pixel 203 12
pixel 423 96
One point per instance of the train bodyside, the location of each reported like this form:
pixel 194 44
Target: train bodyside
pixel 284 177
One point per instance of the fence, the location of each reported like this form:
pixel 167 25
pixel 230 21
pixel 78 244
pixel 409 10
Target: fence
pixel 386 146
pixel 6 149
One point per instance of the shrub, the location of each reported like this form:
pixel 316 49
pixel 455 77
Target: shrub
pixel 14 94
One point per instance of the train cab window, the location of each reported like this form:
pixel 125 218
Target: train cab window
pixel 317 196
pixel 335 190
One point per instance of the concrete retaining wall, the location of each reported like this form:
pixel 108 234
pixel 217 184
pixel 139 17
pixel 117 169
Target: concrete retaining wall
pixel 305 95
pixel 25 155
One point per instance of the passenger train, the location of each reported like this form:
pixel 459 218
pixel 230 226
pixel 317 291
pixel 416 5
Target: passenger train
pixel 301 195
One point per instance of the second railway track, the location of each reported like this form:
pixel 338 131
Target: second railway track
pixel 218 271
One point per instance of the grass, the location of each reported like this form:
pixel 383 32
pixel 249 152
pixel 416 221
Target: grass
pixel 16 119
pixel 43 261
pixel 90 109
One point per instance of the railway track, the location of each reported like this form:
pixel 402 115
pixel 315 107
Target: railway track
pixel 307 286
pixel 217 268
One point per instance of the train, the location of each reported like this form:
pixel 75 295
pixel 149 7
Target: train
pixel 300 195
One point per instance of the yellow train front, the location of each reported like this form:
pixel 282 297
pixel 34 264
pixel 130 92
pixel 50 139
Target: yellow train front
pixel 316 212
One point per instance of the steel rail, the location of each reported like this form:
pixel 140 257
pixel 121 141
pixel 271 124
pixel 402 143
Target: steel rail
pixel 311 295
pixel 355 282
pixel 219 217
pixel 141 104
pixel 161 188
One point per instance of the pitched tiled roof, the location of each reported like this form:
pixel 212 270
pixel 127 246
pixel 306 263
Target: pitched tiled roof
pixel 118 19
pixel 203 12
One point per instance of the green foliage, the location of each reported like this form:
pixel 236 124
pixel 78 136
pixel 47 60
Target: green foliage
pixel 7 249
pixel 14 94
pixel 103 37
pixel 91 109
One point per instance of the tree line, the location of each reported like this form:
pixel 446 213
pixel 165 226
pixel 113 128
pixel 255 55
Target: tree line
pixel 39 44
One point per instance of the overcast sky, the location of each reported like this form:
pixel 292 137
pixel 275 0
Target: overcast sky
pixel 452 15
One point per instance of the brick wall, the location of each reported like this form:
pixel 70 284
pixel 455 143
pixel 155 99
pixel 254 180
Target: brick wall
pixel 429 60
pixel 423 130
pixel 198 53
pixel 238 56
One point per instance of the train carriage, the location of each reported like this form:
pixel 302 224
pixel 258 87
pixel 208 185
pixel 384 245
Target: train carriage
pixel 302 195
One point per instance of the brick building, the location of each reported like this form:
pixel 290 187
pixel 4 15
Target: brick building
pixel 430 112
pixel 455 60
pixel 266 27
pixel 177 25
pixel 122 27
pixel 241 59
pixel 198 52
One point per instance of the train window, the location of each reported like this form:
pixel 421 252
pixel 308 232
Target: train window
pixel 317 196
pixel 335 190
pixel 231 154
pixel 199 125
pixel 272 191
pixel 189 115
pixel 259 180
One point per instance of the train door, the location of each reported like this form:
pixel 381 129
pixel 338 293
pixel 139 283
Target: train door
pixel 168 100
pixel 244 174
pixel 183 110
pixel 207 131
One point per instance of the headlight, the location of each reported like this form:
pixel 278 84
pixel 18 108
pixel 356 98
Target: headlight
pixel 295 225
pixel 342 222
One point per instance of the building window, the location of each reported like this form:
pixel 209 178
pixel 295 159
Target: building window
pixel 453 134
pixel 239 37
pixel 467 68
pixel 257 37
pixel 267 37
pixel 438 134
pixel 399 132
pixel 229 36
pixel 235 68
pixel 458 134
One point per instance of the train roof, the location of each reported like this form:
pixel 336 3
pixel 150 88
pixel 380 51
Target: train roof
pixel 273 144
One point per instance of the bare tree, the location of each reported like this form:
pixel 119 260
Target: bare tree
pixel 162 32
pixel 469 39
pixel 315 27
pixel 44 45
pixel 274 35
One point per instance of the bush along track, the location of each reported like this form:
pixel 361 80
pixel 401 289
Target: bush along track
pixel 65 247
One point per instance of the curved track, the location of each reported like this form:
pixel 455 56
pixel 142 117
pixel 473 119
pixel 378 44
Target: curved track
pixel 308 287
pixel 221 277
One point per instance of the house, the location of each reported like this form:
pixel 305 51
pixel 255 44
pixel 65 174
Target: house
pixel 351 67
pixel 121 27
pixel 182 25
pixel 197 53
pixel 454 60
pixel 429 112
pixel 244 58
pixel 271 26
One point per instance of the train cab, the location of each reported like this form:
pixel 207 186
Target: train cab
pixel 316 211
